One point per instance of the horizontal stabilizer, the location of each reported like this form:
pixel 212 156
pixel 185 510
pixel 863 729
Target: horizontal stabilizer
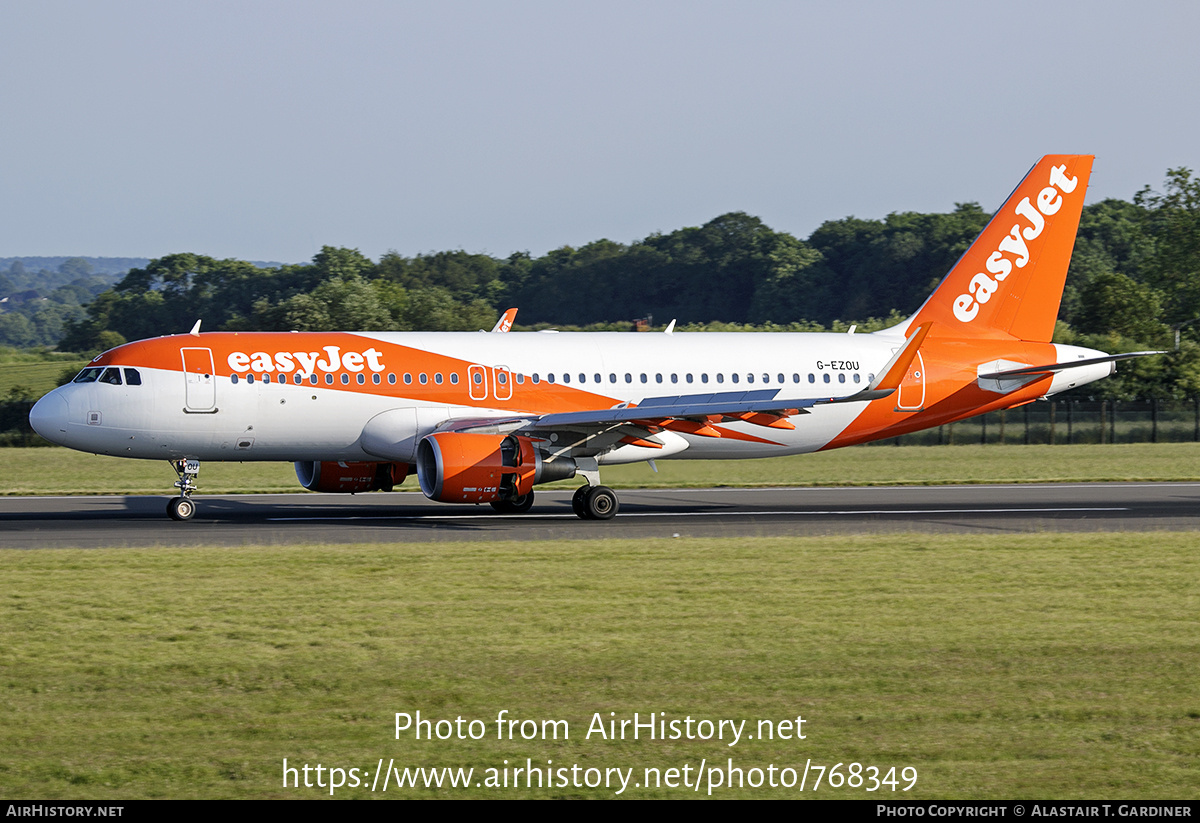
pixel 1050 368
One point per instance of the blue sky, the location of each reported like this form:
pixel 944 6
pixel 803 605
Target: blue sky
pixel 264 130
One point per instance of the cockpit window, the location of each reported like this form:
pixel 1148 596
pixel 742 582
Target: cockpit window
pixel 133 377
pixel 112 376
pixel 87 376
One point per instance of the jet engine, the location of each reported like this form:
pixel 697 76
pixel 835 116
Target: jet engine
pixel 350 478
pixel 462 467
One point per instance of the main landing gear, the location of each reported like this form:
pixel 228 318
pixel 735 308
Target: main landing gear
pixel 517 505
pixel 183 507
pixel 595 503
pixel 589 502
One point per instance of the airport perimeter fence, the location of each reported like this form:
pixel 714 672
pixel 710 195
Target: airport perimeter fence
pixel 1069 422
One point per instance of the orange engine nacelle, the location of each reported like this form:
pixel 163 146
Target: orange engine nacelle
pixel 350 478
pixel 458 467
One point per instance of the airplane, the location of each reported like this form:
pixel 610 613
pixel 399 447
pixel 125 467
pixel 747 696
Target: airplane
pixel 484 417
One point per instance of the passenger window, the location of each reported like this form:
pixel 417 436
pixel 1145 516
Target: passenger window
pixel 408 379
pixel 133 377
pixel 266 378
pixel 250 378
pixel 376 379
pixel 780 379
pixel 841 378
pixel 720 377
pixel 437 378
pixel 520 380
pixel 392 379
pixel 361 378
pixel 536 379
pixel 704 377
pixel 345 379
pixel 674 378
pixel 233 378
pixel 328 379
pixel 658 378
pixel 566 377
pixel 111 376
pixel 299 378
pixel 476 378
pixel 689 377
pixel 312 378
pixel 749 378
pixel 812 378
pixel 550 377
pixel 644 377
pixel 598 380
pixel 425 379
pixel 825 377
pixel 795 378
pixel 612 378
pixel 856 378
pixel 628 377
pixel 733 377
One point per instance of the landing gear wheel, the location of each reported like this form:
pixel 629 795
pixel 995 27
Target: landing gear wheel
pixel 577 505
pixel 601 503
pixel 518 505
pixel 181 508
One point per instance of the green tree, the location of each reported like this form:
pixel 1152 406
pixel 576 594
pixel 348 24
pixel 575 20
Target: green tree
pixel 1173 220
pixel 346 304
pixel 1116 304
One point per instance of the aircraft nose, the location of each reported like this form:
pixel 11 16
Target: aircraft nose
pixel 48 417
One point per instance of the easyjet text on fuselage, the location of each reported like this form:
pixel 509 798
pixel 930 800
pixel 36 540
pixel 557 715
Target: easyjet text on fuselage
pixel 329 359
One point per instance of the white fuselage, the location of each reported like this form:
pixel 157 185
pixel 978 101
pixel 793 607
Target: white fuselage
pixel 284 421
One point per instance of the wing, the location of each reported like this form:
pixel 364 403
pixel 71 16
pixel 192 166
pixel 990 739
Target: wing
pixel 505 322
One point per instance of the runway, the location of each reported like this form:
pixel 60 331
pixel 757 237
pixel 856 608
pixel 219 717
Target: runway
pixel 90 522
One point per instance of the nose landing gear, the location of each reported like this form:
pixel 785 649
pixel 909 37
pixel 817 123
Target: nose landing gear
pixel 183 507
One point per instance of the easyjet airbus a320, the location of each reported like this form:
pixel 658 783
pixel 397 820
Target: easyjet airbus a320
pixel 485 417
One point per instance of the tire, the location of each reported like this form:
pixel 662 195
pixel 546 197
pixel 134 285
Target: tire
pixel 181 508
pixel 522 504
pixel 518 505
pixel 577 502
pixel 601 503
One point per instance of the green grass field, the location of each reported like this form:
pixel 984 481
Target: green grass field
pixel 37 372
pixel 62 471
pixel 1034 666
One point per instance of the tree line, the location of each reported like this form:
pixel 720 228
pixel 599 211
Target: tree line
pixel 1134 283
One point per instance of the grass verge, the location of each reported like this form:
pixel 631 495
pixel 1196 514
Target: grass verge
pixel 63 471
pixel 39 373
pixel 1050 666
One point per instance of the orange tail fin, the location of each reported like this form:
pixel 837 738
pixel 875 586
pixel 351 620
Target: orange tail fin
pixel 1010 281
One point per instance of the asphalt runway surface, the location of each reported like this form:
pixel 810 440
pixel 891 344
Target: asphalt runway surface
pixel 283 519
